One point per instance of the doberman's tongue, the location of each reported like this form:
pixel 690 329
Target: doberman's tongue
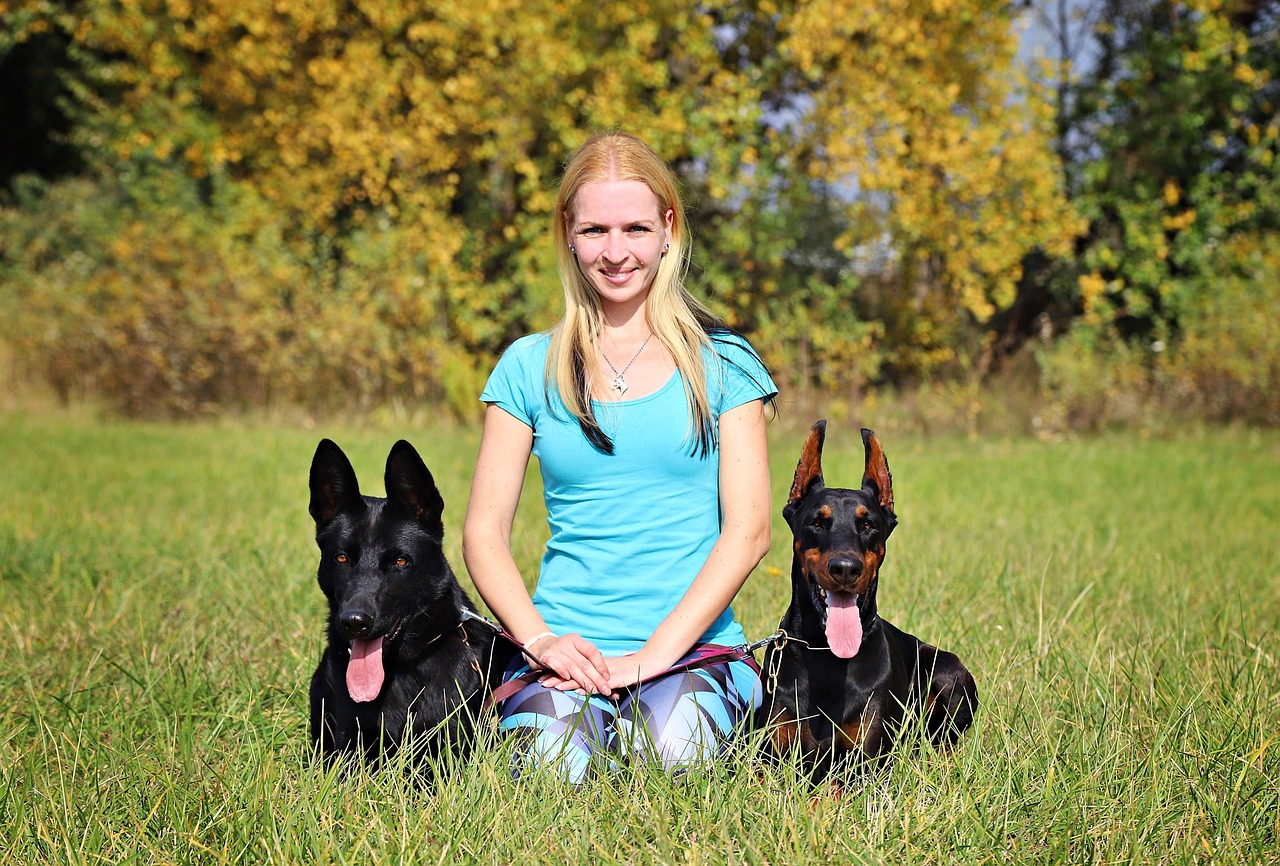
pixel 844 624
pixel 364 671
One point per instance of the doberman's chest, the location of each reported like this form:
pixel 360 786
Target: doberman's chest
pixel 830 706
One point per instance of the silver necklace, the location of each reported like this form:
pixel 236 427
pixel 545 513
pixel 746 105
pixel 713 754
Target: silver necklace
pixel 619 384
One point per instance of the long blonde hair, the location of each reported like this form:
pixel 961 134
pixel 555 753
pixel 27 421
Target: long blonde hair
pixel 678 321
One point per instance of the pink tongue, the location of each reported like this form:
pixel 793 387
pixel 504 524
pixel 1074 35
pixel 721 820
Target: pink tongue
pixel 844 624
pixel 364 671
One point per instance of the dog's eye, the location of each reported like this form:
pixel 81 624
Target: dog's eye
pixel 402 561
pixel 866 525
pixel 817 523
pixel 341 557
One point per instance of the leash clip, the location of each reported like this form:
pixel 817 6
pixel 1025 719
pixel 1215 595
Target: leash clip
pixel 468 614
pixel 775 663
pixel 778 635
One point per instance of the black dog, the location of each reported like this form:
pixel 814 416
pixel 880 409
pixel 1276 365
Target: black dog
pixel 843 682
pixel 403 663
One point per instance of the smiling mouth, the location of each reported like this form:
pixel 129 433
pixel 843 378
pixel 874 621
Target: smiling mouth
pixel 365 671
pixel 390 634
pixel 841 621
pixel 394 631
pixel 617 276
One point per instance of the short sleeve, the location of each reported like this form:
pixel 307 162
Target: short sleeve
pixel 736 374
pixel 516 379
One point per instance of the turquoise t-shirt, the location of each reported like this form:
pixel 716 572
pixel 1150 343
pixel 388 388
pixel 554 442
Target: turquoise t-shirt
pixel 629 531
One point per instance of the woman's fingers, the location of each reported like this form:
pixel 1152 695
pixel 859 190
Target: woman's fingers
pixel 596 659
pixel 576 662
pixel 625 671
pixel 559 683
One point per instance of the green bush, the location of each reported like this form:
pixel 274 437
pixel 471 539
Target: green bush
pixel 167 296
pixel 159 309
pixel 1223 363
pixel 1227 364
pixel 1092 380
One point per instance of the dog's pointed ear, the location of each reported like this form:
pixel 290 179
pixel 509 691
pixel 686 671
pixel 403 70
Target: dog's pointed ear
pixel 875 477
pixel 411 487
pixel 808 470
pixel 333 483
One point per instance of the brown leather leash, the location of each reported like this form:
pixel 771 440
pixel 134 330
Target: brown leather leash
pixel 705 656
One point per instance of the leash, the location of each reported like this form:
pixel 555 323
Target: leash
pixel 515 684
pixel 701 658
pixel 775 665
pixel 783 639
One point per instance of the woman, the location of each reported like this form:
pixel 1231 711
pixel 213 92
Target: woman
pixel 648 419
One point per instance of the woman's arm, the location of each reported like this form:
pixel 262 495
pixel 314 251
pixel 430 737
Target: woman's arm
pixel 743 542
pixel 505 447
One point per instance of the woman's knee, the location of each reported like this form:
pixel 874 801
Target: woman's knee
pixel 683 719
pixel 683 741
pixel 553 730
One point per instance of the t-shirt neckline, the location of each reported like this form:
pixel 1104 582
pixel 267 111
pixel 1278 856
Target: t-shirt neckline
pixel 635 401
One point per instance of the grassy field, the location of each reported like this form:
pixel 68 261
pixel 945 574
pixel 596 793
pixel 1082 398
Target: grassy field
pixel 1117 598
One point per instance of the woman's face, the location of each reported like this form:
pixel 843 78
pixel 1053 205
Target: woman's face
pixel 619 235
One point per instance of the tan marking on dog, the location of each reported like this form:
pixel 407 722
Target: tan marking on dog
pixel 870 568
pixel 861 511
pixel 877 469
pixel 809 469
pixel 788 732
pixel 853 734
pixel 824 511
pixel 813 562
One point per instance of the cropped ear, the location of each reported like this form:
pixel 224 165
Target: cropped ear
pixel 808 470
pixel 334 488
pixel 411 487
pixel 875 477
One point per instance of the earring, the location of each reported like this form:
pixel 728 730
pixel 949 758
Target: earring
pixel 571 249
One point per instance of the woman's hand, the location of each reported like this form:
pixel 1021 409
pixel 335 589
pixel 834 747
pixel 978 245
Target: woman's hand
pixel 630 669
pixel 575 664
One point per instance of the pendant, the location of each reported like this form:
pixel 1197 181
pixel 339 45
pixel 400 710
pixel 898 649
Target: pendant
pixel 619 385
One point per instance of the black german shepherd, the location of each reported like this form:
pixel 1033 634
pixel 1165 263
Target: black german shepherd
pixel 403 663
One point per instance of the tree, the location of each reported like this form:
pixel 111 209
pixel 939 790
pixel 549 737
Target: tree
pixel 1175 165
pixel 382 173
pixel 943 152
pixel 1181 123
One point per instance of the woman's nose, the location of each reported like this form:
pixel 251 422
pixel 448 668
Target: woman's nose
pixel 615 249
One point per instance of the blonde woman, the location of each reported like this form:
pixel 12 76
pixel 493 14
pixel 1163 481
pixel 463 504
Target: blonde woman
pixel 647 416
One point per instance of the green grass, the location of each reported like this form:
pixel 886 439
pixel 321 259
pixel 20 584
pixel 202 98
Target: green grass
pixel 1117 598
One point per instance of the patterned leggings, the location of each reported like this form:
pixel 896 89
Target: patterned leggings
pixel 678 720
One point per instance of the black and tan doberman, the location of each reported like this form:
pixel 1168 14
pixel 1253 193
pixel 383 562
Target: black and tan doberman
pixel 843 682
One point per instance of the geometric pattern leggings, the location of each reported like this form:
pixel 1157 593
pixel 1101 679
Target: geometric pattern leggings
pixel 676 720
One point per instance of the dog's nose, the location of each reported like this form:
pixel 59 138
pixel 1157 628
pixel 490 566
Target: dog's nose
pixel 356 621
pixel 844 569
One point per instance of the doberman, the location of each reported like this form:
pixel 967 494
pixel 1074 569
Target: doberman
pixel 842 683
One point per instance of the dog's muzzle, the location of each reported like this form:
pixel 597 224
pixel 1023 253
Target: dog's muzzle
pixel 844 572
pixel 356 621
pixel 841 620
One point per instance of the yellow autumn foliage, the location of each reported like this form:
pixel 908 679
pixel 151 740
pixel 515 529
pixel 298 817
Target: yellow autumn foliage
pixel 403 154
pixel 921 103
